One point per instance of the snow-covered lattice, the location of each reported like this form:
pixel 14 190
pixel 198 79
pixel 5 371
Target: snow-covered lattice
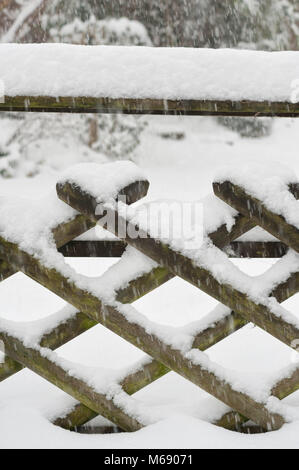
pixel 269 200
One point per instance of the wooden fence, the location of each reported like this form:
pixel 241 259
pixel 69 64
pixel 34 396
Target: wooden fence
pixel 92 309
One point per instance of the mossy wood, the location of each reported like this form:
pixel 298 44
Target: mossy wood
pixel 136 334
pixel 185 268
pixel 80 323
pixel 255 209
pixel 38 362
pixel 149 106
pixel 115 249
pixel 82 413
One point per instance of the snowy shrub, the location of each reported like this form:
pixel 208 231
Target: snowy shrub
pixel 45 142
pixel 106 32
pixel 89 137
pixel 247 126
pixel 118 136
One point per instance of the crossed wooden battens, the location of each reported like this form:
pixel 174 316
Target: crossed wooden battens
pixel 93 310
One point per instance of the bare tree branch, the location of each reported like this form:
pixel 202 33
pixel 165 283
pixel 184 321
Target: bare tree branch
pixel 27 15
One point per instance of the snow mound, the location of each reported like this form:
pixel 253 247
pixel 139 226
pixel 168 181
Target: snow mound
pixel 58 70
pixel 270 184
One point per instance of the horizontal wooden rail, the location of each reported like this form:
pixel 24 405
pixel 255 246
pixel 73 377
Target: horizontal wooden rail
pixel 115 248
pixel 149 106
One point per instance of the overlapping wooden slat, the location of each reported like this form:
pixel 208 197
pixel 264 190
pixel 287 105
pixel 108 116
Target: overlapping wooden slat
pixel 241 401
pixel 38 362
pixel 154 370
pixel 282 389
pixel 135 289
pixel 63 234
pixel 221 237
pixel 78 324
pixel 136 334
pixel 251 207
pixel 184 267
pixel 8 368
pixel 205 339
pixel 58 336
pixel 282 291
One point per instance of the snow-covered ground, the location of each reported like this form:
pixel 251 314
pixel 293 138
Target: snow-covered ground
pixel 178 169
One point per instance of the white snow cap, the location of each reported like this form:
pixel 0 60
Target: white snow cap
pixel 103 181
pixel 147 72
pixel 269 183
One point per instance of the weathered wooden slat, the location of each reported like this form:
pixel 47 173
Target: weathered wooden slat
pixel 80 323
pixel 59 336
pixel 204 340
pixel 115 248
pixel 283 388
pixel 67 331
pixel 37 361
pixel 149 106
pixel 143 285
pixel 286 289
pixel 66 232
pixel 252 207
pixel 223 237
pixel 289 384
pixel 184 267
pixel 165 273
pixel 154 370
pixel 238 249
pixel 93 249
pixel 8 368
pixel 5 270
pixel 136 334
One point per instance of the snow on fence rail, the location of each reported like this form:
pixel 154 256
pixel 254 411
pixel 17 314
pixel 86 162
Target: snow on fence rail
pixel 145 80
pixel 268 201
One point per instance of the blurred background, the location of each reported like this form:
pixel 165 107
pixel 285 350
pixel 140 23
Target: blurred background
pixel 179 154
pixel 31 144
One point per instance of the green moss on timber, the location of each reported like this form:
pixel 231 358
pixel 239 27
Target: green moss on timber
pixel 66 232
pixel 253 208
pixel 9 368
pixel 286 386
pixel 67 331
pixel 52 372
pixel 143 285
pixel 149 106
pixel 219 331
pixel 151 372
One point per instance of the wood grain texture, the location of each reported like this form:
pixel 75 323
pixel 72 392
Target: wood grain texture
pixel 149 106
